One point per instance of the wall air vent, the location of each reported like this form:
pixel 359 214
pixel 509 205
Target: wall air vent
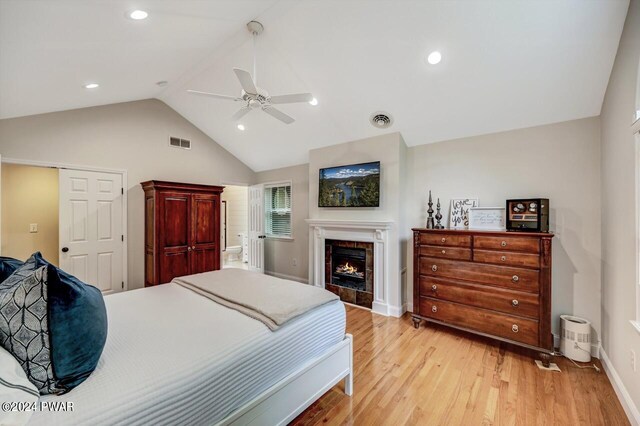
pixel 179 143
pixel 381 119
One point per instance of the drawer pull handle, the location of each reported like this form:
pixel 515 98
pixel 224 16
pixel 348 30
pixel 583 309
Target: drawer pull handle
pixel 444 252
pixel 503 244
pixel 434 287
pixel 443 239
pixel 503 258
pixel 188 248
pixel 514 328
pixel 434 268
pixel 515 278
pixel 434 309
pixel 515 303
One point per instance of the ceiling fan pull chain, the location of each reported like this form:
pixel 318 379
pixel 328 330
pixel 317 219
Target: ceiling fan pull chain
pixel 255 67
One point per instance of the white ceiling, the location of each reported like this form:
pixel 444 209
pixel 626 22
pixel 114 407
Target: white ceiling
pixel 506 64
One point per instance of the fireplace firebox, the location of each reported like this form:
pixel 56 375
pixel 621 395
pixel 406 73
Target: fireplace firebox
pixel 349 267
pixel 349 271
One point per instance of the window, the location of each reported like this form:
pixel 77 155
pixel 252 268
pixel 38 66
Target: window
pixel 277 208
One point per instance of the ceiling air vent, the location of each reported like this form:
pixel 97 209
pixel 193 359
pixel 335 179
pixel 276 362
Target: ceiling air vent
pixel 180 143
pixel 381 119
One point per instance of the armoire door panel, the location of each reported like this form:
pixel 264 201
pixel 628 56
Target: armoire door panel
pixel 204 260
pixel 176 220
pixel 174 264
pixel 205 211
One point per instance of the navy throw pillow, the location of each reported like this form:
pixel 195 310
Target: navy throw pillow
pixel 53 323
pixel 77 325
pixel 8 265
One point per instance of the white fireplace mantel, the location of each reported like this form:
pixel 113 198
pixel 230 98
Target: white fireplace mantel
pixel 376 232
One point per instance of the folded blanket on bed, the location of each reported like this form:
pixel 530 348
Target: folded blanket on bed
pixel 271 300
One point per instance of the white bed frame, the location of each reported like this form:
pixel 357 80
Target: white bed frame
pixel 281 403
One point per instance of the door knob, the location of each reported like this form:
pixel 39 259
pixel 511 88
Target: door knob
pixel 65 249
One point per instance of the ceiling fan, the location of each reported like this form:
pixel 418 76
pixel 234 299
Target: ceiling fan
pixel 254 97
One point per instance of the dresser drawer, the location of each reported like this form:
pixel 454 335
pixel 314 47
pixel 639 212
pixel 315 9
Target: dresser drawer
pixel 446 252
pixel 502 276
pixel 510 302
pixel 524 244
pixel 481 320
pixel 448 240
pixel 507 258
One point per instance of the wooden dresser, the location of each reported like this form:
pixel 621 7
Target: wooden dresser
pixel 496 284
pixel 182 230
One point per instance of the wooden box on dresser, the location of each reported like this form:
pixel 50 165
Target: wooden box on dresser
pixel 182 230
pixel 496 284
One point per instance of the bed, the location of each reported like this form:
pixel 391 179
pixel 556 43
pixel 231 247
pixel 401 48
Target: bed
pixel 173 356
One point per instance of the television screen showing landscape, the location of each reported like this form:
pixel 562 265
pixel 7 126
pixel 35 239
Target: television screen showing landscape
pixel 357 185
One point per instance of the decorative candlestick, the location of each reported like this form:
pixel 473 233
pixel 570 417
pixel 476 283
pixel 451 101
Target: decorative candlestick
pixel 430 211
pixel 438 217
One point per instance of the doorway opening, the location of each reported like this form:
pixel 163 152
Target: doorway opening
pixel 235 227
pixel 75 217
pixel 30 203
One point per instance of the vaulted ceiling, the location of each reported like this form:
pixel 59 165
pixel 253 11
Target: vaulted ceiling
pixel 506 64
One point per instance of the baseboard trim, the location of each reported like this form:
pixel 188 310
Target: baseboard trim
pixel 621 391
pixel 287 277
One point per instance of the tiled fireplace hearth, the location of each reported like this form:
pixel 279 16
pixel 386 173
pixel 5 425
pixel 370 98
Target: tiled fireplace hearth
pixel 334 242
pixel 348 271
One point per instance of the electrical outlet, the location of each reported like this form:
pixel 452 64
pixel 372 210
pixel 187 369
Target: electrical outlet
pixel 294 262
pixel 633 361
pixel 33 227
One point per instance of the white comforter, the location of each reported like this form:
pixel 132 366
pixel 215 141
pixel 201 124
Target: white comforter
pixel 175 357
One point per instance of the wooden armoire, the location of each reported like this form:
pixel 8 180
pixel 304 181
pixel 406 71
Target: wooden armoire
pixel 182 230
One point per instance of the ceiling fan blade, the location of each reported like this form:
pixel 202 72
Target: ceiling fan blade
pixel 246 81
pixel 214 95
pixel 241 113
pixel 290 99
pixel 276 113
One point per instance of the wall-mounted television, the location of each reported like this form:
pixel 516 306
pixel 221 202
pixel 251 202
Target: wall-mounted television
pixel 354 185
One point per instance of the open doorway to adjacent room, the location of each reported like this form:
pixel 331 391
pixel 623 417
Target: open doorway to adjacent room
pixel 235 226
pixel 75 217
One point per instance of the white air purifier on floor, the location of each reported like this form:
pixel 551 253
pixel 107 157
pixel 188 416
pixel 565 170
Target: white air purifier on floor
pixel 575 340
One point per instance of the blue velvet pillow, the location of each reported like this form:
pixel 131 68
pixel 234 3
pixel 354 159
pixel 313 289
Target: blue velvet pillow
pixel 8 265
pixel 77 325
pixel 53 323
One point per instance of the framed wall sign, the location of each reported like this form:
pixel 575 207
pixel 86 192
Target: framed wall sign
pixel 459 212
pixel 487 218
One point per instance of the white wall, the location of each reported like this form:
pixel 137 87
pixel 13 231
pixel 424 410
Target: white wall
pixel 280 254
pixel 132 136
pixel 237 201
pixel 619 258
pixel 560 162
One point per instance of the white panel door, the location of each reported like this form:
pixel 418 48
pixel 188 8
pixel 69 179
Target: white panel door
pixel 91 234
pixel 256 228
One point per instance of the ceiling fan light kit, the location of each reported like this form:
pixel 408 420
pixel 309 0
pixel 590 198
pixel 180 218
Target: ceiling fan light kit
pixel 254 97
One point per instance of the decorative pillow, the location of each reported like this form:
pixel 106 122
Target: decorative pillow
pixel 77 325
pixel 16 390
pixel 24 325
pixel 72 331
pixel 8 265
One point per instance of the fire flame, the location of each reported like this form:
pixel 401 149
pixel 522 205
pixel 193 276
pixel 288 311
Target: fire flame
pixel 349 269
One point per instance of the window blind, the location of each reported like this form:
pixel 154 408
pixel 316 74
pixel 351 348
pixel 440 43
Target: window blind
pixel 278 211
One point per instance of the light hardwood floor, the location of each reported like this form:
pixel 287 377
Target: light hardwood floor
pixel 439 376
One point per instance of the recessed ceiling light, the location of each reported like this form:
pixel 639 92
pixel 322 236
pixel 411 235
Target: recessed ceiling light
pixel 241 127
pixel 91 86
pixel 313 102
pixel 138 15
pixel 434 57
